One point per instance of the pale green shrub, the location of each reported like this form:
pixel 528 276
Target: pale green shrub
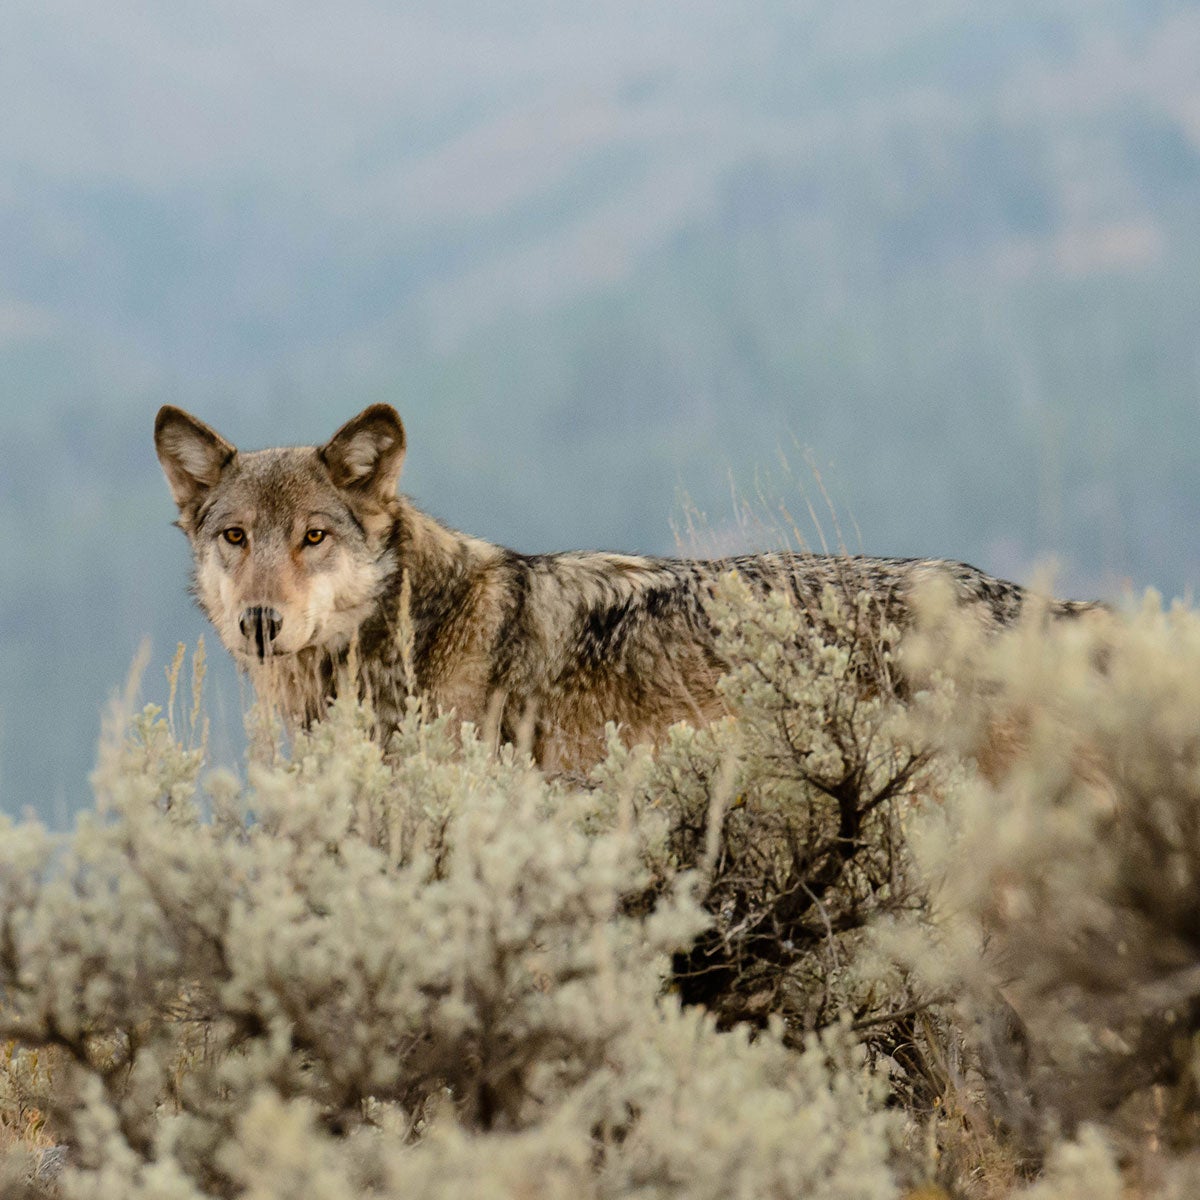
pixel 948 917
pixel 414 976
pixel 1065 881
pixel 791 809
pixel 1085 1169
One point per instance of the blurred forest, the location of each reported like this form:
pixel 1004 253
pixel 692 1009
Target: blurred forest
pixel 600 261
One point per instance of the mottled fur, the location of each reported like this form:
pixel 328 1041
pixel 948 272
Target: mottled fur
pixel 542 649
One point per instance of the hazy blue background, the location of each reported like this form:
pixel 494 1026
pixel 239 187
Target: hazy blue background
pixel 597 255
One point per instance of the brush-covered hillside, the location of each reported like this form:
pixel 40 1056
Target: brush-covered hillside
pixel 918 919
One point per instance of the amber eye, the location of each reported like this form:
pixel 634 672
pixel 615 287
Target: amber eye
pixel 233 535
pixel 314 537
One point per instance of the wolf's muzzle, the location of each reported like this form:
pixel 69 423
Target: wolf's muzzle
pixel 263 625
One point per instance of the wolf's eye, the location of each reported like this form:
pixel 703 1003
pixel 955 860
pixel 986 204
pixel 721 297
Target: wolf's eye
pixel 233 535
pixel 314 537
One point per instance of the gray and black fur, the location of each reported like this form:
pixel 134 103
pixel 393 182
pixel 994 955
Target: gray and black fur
pixel 539 649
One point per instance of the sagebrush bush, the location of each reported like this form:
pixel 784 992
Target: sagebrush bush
pixel 791 809
pixel 1063 881
pixel 919 914
pixel 412 975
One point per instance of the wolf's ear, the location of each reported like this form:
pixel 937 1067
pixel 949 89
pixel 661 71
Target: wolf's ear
pixel 366 454
pixel 192 455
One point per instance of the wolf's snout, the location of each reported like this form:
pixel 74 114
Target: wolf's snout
pixel 263 625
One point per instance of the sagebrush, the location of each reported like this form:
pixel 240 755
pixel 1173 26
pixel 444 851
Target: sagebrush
pixel 918 916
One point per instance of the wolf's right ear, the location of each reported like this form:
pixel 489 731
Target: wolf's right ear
pixel 192 455
pixel 366 454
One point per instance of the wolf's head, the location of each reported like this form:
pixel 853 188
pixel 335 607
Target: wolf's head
pixel 291 545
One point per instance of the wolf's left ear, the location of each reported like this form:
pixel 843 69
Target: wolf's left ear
pixel 192 455
pixel 367 452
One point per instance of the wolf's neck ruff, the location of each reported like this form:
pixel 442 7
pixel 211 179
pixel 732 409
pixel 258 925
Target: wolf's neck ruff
pixel 307 560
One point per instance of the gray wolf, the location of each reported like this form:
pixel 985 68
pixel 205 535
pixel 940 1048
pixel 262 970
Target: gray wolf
pixel 306 556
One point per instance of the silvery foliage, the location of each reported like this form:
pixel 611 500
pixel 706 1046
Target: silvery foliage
pixel 1065 878
pixel 791 809
pixel 417 976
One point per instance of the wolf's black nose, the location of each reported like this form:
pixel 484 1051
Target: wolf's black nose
pixel 263 625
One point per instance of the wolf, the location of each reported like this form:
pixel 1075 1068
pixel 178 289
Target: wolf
pixel 305 558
